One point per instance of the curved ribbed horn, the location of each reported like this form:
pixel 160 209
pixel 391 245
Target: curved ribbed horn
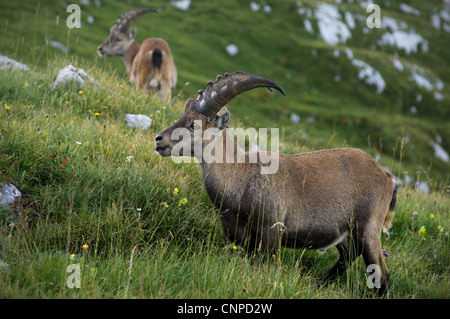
pixel 126 19
pixel 219 93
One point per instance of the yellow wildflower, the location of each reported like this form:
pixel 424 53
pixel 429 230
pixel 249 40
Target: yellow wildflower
pixel 97 114
pixel 72 257
pixel 85 247
pixel 176 191
pixel 234 247
pixel 440 228
pixel 164 204
pixel 422 230
pixel 80 92
pixel 432 216
pixel 7 107
pixel 183 201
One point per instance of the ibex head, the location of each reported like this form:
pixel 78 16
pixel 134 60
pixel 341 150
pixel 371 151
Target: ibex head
pixel 208 112
pixel 120 38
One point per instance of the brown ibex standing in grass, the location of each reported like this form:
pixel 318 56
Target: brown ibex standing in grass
pixel 316 200
pixel 149 65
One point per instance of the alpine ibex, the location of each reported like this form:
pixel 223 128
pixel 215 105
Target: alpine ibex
pixel 149 65
pixel 316 200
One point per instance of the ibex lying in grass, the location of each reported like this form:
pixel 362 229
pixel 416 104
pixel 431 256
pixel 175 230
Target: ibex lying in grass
pixel 149 65
pixel 316 200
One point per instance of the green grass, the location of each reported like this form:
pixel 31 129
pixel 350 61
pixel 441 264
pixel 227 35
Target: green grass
pixel 81 187
pixel 117 207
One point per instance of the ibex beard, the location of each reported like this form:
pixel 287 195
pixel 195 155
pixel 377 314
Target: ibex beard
pixel 316 200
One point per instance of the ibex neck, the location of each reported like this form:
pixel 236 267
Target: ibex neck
pixel 226 157
pixel 223 174
pixel 223 153
pixel 220 166
pixel 130 54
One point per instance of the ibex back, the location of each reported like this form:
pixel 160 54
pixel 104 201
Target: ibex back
pixel 149 65
pixel 316 200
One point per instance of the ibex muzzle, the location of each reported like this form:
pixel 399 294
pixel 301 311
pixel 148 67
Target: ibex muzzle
pixel 316 200
pixel 149 65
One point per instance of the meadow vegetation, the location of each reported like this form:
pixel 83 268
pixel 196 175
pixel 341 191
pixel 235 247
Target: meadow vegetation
pixel 94 192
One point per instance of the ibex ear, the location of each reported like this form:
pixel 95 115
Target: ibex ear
pixel 132 33
pixel 222 118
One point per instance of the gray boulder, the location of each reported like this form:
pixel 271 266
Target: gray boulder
pixel 138 121
pixel 10 64
pixel 71 75
pixel 8 193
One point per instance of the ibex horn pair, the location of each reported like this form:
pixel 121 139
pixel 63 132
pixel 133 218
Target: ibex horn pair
pixel 126 19
pixel 219 93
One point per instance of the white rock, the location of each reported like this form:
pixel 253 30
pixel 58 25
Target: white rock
pixel 232 49
pixel 401 37
pixel 445 15
pixel 8 193
pixel 307 11
pixel 349 53
pixel 138 121
pixel 58 45
pixel 71 75
pixel 332 29
pixel 407 41
pixel 421 81
pixel 446 27
pixel 254 6
pixel 370 75
pixel 365 3
pixel 295 118
pixel 436 21
pixel 424 80
pixel 7 63
pixel 308 26
pixel 423 187
pixel 439 152
pixel 398 65
pixel 350 20
pixel 181 4
pixel 408 9
pixel 438 96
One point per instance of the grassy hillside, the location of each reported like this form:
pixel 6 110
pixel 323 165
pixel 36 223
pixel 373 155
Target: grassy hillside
pixel 320 79
pixel 90 180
